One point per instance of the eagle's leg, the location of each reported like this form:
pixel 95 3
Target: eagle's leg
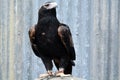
pixel 60 72
pixel 48 65
pixel 62 66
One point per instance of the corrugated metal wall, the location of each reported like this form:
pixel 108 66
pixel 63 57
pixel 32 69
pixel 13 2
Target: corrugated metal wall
pixel 95 26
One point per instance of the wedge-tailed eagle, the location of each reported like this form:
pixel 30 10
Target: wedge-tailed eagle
pixel 52 41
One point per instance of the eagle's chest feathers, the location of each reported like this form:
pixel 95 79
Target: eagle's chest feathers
pixel 46 31
pixel 47 35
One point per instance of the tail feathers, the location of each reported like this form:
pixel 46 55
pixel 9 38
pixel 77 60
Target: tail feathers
pixel 68 69
pixel 73 63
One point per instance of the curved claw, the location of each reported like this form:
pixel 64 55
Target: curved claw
pixel 49 73
pixel 61 74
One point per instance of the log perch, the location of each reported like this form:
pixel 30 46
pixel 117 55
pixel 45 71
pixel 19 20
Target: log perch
pixel 60 78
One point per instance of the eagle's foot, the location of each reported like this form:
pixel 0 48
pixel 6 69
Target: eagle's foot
pixel 48 74
pixel 61 74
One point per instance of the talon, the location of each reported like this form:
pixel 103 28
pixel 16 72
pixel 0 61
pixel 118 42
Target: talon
pixel 49 73
pixel 60 73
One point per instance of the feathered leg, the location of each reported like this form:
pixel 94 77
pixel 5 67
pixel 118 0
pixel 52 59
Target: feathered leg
pixel 48 65
pixel 64 69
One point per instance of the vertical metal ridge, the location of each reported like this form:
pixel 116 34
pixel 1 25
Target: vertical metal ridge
pixel 11 41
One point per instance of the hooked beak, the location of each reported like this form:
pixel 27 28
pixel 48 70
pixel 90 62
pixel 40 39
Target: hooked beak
pixel 53 5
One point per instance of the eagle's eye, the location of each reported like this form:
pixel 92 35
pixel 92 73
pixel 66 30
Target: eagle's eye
pixel 46 5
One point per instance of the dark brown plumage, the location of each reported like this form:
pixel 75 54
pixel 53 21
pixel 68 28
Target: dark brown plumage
pixel 52 40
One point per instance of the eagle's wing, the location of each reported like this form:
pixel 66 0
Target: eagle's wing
pixel 32 40
pixel 66 38
pixel 47 62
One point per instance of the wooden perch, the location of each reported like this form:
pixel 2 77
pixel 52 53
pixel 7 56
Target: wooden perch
pixel 60 78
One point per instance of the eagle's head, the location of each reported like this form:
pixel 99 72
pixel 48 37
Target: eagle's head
pixel 47 9
pixel 49 5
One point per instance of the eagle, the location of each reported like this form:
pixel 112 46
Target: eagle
pixel 52 41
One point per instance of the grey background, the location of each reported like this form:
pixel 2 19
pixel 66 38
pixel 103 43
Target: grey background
pixel 95 26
